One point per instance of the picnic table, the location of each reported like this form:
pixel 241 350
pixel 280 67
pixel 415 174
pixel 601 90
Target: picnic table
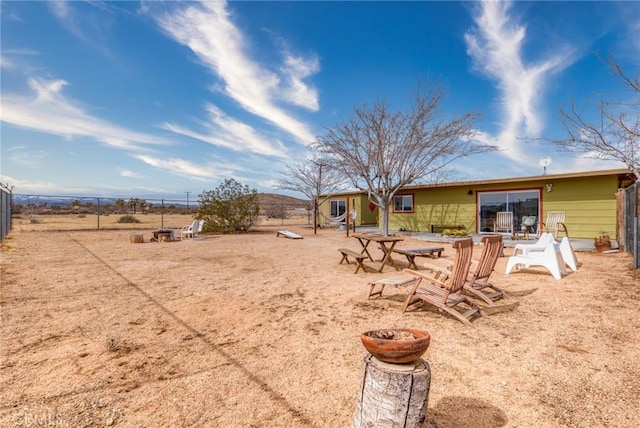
pixel 412 253
pixel 386 243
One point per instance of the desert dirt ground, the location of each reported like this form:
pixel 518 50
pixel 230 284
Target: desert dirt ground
pixel 253 330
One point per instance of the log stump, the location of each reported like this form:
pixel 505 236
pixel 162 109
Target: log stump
pixel 393 395
pixel 136 238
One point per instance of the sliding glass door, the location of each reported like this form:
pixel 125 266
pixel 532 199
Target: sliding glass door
pixel 524 204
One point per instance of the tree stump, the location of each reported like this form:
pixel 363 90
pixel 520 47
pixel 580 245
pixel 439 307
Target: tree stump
pixel 136 238
pixel 393 395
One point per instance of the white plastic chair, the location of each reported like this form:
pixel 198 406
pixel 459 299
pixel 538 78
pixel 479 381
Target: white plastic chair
pixel 539 245
pixel 550 258
pixel 568 254
pixel 190 230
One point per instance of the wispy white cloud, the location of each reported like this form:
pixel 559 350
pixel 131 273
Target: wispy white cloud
pixel 295 91
pixel 11 59
pixel 129 174
pixel 632 13
pixel 35 187
pixel 224 131
pixel 495 46
pixel 206 28
pixel 184 168
pixel 86 27
pixel 27 158
pixel 48 110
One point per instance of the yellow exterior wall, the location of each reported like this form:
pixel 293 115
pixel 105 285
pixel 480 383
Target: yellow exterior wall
pixel 358 201
pixel 443 206
pixel 589 204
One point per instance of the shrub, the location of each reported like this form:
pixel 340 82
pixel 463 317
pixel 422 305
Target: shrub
pixel 128 219
pixel 455 232
pixel 231 207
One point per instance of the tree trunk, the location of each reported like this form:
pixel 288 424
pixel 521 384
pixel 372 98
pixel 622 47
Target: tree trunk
pixel 385 218
pixel 393 395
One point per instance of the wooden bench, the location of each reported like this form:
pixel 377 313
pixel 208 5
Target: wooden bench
pixel 440 228
pixel 359 258
pixel 412 253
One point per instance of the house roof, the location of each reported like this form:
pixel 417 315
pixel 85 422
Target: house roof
pixel 624 174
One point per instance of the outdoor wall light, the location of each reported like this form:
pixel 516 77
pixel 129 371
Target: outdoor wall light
pixel 469 192
pixel 549 187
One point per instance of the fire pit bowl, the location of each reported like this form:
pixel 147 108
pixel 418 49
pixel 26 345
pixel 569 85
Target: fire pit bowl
pixel 396 345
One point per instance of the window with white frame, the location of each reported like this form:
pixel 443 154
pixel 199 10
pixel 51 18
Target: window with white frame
pixel 338 207
pixel 403 203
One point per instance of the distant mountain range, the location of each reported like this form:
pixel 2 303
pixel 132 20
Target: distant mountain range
pixel 66 201
pixel 275 199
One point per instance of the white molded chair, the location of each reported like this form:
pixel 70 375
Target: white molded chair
pixel 539 245
pixel 568 254
pixel 190 230
pixel 550 258
pixel 566 250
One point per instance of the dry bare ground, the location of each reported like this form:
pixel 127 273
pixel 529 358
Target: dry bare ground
pixel 258 331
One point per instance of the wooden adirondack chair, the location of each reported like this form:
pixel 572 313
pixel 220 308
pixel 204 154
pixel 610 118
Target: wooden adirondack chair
pixel 554 224
pixel 478 280
pixel 443 289
pixel 504 222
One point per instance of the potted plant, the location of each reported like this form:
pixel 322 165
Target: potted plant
pixel 602 242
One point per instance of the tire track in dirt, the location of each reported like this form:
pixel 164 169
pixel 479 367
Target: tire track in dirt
pixel 262 384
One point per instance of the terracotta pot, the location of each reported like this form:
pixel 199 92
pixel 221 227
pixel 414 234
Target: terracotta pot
pixel 397 351
pixel 602 247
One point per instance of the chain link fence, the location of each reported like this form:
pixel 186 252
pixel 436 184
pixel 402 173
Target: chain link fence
pixel 631 222
pixel 66 213
pixel 5 213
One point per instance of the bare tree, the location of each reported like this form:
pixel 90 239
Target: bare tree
pixel 615 135
pixel 315 178
pixel 381 151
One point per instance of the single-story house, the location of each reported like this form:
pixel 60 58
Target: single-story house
pixel 588 199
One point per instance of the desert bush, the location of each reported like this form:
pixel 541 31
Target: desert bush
pixel 115 339
pixel 455 232
pixel 229 208
pixel 128 219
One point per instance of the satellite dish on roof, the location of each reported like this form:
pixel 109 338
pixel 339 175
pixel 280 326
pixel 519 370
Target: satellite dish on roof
pixel 544 162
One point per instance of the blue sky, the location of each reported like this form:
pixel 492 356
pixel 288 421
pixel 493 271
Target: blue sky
pixel 155 99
